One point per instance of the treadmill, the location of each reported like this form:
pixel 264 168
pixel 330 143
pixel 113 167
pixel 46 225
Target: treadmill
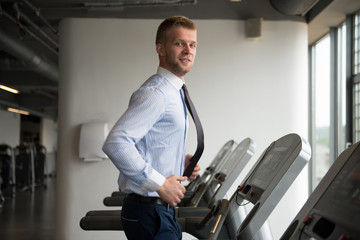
pixel 264 186
pixel 216 164
pixel 332 211
pixel 217 185
pixel 116 198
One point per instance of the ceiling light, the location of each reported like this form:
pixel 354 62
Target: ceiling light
pixel 9 89
pixel 14 110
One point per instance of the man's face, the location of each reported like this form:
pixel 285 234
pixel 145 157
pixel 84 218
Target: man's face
pixel 178 53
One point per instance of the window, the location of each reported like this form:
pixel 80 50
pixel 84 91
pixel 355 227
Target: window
pixel 356 111
pixel 328 102
pixel 320 82
pixel 356 78
pixel 341 100
pixel 357 44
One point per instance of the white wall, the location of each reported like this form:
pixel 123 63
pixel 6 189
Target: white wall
pixel 9 128
pixel 48 139
pixel 241 89
pixel 48 134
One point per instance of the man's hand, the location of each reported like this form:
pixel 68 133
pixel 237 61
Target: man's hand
pixel 196 170
pixel 172 191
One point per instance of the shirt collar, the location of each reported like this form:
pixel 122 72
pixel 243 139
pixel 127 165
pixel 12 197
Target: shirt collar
pixel 172 78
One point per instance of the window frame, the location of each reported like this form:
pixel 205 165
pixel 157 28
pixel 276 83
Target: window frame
pixel 339 138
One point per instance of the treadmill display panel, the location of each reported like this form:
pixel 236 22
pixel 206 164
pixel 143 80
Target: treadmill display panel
pixel 237 154
pixel 269 166
pixel 221 154
pixel 341 201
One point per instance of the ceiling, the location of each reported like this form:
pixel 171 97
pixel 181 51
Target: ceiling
pixel 29 34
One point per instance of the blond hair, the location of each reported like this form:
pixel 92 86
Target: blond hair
pixel 171 22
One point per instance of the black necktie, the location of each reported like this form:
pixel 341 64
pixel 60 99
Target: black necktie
pixel 200 134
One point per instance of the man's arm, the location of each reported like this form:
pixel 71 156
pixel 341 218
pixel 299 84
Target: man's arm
pixel 144 110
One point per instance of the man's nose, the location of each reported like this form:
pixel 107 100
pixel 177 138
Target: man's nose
pixel 187 49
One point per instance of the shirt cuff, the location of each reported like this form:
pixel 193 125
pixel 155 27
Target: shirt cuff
pixel 155 181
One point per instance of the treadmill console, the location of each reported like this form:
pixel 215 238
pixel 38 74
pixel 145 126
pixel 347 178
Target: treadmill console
pixel 269 165
pixel 335 212
pixel 220 156
pixel 264 186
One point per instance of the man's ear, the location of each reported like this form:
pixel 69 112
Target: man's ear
pixel 160 49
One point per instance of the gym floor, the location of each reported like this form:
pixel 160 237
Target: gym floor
pixel 29 216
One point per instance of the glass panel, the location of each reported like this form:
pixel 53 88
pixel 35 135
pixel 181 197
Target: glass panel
pixel 356 87
pixel 356 112
pixel 357 44
pixel 342 88
pixel 322 108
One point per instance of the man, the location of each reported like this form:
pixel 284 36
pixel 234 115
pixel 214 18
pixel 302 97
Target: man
pixel 147 144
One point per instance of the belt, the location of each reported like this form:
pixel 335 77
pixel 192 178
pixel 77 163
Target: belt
pixel 155 200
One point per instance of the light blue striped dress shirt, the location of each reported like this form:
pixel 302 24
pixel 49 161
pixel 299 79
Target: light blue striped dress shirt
pixel 147 144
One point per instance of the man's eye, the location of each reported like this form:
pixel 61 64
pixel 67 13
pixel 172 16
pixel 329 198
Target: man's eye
pixel 178 44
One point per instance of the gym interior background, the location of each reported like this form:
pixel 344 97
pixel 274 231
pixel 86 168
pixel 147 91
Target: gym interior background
pixel 261 87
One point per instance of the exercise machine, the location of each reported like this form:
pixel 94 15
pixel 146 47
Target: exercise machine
pixel 216 187
pixel 117 198
pixel 7 172
pixel 219 184
pixel 332 211
pixel 264 186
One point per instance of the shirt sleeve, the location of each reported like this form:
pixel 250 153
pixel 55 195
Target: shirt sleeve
pixel 145 109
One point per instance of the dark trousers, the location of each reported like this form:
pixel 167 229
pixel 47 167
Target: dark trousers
pixel 143 220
